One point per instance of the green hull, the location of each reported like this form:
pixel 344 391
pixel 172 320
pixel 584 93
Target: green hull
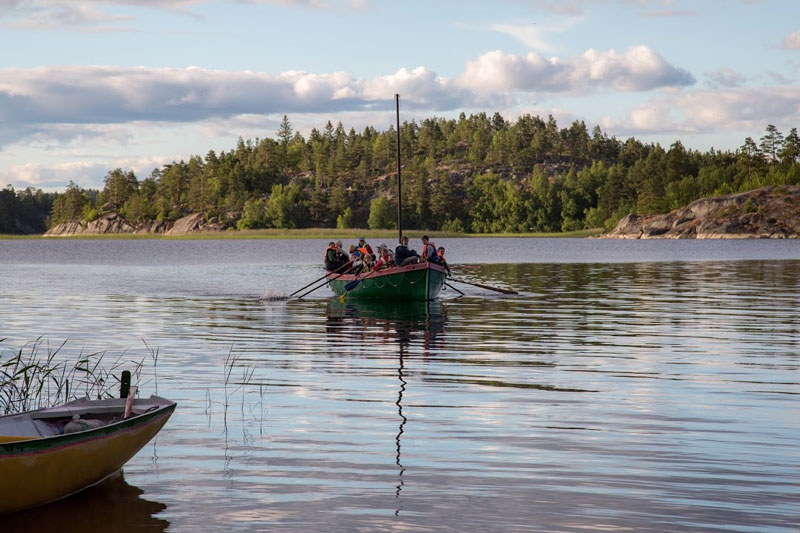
pixel 422 281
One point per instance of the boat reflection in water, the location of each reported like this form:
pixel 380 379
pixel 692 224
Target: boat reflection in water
pixel 402 322
pixel 412 325
pixel 113 505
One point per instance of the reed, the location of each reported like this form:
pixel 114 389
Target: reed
pixel 37 376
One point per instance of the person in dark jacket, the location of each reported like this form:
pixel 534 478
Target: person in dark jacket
pixel 442 261
pixel 403 256
pixel 335 258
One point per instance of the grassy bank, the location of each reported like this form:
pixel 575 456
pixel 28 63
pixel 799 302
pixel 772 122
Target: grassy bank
pixel 310 233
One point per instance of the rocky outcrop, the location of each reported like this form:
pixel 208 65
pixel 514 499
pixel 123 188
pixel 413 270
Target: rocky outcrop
pixel 113 223
pixel 769 212
pixel 195 223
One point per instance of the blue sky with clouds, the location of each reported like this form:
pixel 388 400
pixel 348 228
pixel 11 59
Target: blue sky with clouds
pixel 89 86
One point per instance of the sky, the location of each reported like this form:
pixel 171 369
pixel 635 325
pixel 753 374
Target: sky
pixel 90 86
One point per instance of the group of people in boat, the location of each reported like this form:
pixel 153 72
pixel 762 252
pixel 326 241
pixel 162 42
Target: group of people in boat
pixel 362 258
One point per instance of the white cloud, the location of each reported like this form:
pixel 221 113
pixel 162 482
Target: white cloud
pixel 725 77
pixel 51 98
pixel 792 41
pixel 355 5
pixel 638 69
pixel 419 87
pixel 560 7
pixel 107 95
pixel 742 109
pixel 647 8
pixel 86 15
pixel 531 35
pixel 56 176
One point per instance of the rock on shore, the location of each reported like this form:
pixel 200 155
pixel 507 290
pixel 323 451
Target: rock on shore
pixel 769 212
pixel 113 223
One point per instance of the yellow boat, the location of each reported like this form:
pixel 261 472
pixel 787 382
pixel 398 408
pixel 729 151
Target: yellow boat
pixel 49 454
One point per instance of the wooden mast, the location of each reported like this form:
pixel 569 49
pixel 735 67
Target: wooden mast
pixel 399 182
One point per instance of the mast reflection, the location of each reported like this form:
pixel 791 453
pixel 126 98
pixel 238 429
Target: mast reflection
pixel 417 329
pixel 403 421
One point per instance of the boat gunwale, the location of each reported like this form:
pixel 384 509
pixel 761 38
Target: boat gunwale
pixel 49 443
pixel 426 265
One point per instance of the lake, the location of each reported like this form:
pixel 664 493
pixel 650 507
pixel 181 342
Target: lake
pixel 629 386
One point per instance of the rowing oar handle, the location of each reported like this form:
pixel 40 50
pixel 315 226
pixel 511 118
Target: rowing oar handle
pixel 319 279
pixel 337 276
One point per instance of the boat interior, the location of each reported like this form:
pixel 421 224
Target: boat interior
pixel 80 415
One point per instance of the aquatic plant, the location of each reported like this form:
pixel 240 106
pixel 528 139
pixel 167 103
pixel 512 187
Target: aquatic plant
pixel 37 376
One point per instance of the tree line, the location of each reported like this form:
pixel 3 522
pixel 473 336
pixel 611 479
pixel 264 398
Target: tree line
pixel 476 173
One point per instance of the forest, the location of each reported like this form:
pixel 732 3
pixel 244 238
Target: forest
pixel 473 174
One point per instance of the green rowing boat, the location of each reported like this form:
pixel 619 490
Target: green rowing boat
pixel 418 282
pixel 421 281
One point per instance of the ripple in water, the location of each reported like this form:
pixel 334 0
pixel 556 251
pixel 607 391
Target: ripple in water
pixel 642 396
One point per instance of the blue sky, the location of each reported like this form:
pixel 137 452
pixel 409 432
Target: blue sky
pixel 86 87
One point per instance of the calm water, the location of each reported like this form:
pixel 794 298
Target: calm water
pixel 630 386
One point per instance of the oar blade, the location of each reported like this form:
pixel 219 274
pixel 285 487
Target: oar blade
pixel 352 285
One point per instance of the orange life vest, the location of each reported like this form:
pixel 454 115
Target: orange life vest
pixel 425 254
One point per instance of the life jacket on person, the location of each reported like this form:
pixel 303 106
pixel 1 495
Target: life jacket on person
pixel 331 258
pixel 429 252
pixel 386 259
pixel 363 244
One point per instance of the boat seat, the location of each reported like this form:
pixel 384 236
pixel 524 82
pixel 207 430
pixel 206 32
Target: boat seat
pixel 22 426
pixel 81 411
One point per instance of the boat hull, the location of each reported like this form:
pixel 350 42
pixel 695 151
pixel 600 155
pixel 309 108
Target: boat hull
pixel 44 469
pixel 421 281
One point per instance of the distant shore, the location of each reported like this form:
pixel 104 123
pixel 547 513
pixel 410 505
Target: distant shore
pixel 306 233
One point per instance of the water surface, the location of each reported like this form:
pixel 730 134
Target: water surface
pixel 631 385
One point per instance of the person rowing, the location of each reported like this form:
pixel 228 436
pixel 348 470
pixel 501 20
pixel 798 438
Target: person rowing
pixel 442 260
pixel 335 258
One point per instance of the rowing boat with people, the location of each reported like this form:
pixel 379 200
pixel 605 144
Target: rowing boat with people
pixel 418 281
pixel 364 279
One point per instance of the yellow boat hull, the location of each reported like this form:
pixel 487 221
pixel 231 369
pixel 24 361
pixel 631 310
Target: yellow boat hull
pixel 38 471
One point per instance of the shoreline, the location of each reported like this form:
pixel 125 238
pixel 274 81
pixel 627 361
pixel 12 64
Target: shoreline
pixel 307 233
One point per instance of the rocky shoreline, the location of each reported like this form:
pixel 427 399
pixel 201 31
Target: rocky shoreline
pixel 115 224
pixel 767 213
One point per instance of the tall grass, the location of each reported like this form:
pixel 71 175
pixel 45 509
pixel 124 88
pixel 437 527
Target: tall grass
pixel 36 376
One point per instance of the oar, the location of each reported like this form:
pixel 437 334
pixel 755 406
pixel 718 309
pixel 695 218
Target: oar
pixel 353 284
pixel 489 287
pixel 318 280
pixel 322 284
pixel 458 291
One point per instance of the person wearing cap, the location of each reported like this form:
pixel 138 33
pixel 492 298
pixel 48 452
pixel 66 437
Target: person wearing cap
pixel 402 255
pixel 362 243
